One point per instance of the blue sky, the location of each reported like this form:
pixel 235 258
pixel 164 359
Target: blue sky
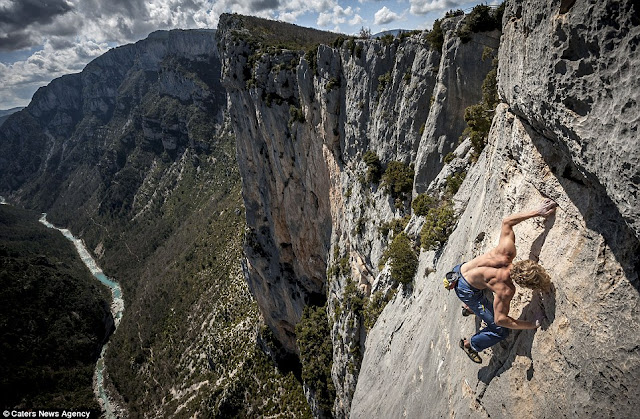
pixel 41 40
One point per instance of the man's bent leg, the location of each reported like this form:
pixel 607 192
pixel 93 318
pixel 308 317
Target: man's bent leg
pixel 491 334
pixel 487 337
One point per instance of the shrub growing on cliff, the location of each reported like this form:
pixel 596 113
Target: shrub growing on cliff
pixel 313 338
pixel 437 226
pixel 490 87
pixel 296 115
pixel 339 268
pixel 383 81
pixel 374 167
pixel 404 261
pixel 352 299
pixel 422 204
pixel 331 84
pixel 397 225
pixel 454 181
pixel 481 19
pixel 365 33
pixel 312 58
pixel 435 37
pixel 398 179
pixel 449 157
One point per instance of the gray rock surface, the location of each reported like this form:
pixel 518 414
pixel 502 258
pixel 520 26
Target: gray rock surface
pixel 563 133
pixel 572 72
pixel 570 112
pixel 578 364
pixel 462 70
pixel 309 206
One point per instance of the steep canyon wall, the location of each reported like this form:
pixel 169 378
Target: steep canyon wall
pixel 569 110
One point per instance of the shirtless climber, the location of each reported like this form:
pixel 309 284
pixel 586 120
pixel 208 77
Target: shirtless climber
pixel 494 271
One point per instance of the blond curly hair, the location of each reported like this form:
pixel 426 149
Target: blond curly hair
pixel 527 273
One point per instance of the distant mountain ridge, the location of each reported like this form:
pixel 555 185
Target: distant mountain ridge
pixel 6 113
pixel 392 32
pixel 136 156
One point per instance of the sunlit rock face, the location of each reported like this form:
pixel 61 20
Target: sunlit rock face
pixel 567 131
pixel 570 70
pixel 303 126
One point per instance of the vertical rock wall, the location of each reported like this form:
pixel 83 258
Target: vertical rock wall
pixel 567 131
pixel 462 70
pixel 302 129
pixel 571 70
pixel 577 363
pixel 570 93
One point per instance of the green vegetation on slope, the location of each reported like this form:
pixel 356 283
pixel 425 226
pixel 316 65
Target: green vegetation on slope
pixel 438 225
pixel 313 337
pixel 374 166
pixel 435 37
pixel 192 321
pixel 397 179
pixel 168 226
pixel 54 317
pixel 282 35
pixel 402 257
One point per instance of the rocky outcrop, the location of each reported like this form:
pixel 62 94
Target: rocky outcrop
pixel 310 209
pixel 552 138
pixel 569 70
pixel 404 101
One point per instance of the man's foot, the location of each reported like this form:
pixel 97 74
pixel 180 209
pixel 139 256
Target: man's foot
pixel 473 355
pixel 466 311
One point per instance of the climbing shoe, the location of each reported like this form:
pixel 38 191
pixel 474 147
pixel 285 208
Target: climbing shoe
pixel 473 355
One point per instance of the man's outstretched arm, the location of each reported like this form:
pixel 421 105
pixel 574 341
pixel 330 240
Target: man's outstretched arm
pixel 507 244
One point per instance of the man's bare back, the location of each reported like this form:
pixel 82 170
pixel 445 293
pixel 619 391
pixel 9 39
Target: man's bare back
pixel 492 271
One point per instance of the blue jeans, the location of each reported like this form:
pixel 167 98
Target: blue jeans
pixel 480 305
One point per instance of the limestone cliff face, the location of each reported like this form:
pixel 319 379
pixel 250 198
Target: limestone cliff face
pixel 578 363
pixel 461 72
pixel 136 156
pixel 303 126
pixel 566 119
pixel 313 216
pixel 570 70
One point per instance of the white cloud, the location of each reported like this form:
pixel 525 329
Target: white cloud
pixel 356 20
pixel 384 16
pixel 336 16
pixel 290 17
pixel 75 31
pixel 421 7
pixel 22 78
